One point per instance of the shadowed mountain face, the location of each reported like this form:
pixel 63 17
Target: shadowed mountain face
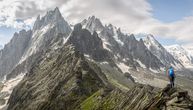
pixel 87 43
pixel 138 50
pixel 160 52
pixel 27 64
pixel 123 46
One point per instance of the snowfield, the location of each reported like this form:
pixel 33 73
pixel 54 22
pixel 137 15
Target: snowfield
pixel 8 87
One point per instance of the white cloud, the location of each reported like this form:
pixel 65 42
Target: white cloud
pixel 134 16
pixel 21 13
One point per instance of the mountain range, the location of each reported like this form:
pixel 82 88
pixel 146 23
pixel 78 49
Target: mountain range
pixel 54 66
pixel 185 56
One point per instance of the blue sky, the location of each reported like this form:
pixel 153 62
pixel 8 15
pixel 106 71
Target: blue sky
pixel 6 34
pixel 170 21
pixel 171 10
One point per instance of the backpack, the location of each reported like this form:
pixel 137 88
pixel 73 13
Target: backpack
pixel 171 72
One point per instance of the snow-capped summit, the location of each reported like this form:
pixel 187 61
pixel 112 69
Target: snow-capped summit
pixel 160 52
pixel 182 54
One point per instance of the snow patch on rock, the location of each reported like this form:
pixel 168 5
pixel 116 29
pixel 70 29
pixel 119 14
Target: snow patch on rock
pixel 106 44
pixel 124 68
pixel 154 71
pixel 140 63
pixel 116 36
pixel 9 85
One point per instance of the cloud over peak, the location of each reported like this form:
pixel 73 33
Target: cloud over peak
pixel 133 16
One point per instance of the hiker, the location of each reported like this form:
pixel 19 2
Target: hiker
pixel 171 76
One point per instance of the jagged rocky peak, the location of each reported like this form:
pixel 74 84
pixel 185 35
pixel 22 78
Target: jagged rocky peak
pixel 110 26
pixel 119 31
pixel 87 43
pixel 19 38
pixel 115 30
pixel 141 41
pixel 53 17
pixel 132 37
pixel 46 29
pixel 151 43
pixel 77 27
pixel 21 34
pixel 149 39
pixel 92 24
pixel 160 52
pixel 13 51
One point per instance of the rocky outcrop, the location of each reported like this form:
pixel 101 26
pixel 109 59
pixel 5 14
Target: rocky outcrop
pixel 141 97
pixel 171 99
pixel 45 30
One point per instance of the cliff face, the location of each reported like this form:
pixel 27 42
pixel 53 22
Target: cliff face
pixel 28 43
pixel 13 51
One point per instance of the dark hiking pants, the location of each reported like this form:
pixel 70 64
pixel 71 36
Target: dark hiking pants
pixel 171 81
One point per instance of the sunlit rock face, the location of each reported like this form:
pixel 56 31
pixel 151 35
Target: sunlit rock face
pixel 13 51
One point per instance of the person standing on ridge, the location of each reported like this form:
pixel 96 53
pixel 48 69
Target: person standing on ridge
pixel 171 76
